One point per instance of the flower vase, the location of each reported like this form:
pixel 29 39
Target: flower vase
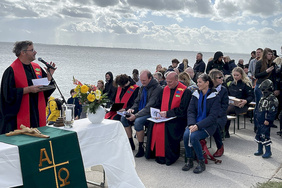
pixel 98 116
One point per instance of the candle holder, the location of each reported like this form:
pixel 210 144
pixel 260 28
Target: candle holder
pixel 68 115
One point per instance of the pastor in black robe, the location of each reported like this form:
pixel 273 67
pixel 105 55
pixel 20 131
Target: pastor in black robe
pixel 174 130
pixel 11 97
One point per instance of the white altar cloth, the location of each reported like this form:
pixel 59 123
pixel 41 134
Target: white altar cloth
pixel 103 144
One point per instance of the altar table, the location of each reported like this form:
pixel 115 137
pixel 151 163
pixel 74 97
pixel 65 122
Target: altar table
pixel 103 144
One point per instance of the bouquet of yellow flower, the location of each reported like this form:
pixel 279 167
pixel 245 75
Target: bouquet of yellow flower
pixel 89 95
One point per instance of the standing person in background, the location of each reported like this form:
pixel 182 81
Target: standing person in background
pixel 217 63
pixel 110 89
pixel 148 96
pixel 265 69
pixel 100 85
pixel 75 100
pixel 52 111
pixel 217 79
pixel 135 77
pixel 253 56
pixel 252 66
pixel 199 66
pixel 201 118
pixel 21 102
pixel 241 63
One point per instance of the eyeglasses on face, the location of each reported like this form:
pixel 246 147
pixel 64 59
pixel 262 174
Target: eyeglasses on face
pixel 32 50
pixel 219 77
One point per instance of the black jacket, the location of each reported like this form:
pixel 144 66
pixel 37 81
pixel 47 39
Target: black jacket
pixel 263 75
pixel 213 104
pixel 199 66
pixel 241 91
pixel 110 89
pixel 215 64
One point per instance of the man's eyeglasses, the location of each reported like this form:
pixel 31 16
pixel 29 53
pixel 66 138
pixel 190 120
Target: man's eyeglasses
pixel 219 77
pixel 32 50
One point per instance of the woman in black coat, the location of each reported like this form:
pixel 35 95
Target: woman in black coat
pixel 202 114
pixel 240 88
pixel 110 89
pixel 217 78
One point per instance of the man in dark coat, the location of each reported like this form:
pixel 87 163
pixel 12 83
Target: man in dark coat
pixel 199 66
pixel 21 102
pixel 148 96
pixel 163 139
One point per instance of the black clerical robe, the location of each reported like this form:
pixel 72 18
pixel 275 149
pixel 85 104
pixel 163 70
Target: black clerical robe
pixel 174 128
pixel 11 97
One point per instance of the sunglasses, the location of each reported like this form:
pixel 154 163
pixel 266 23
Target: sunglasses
pixel 219 77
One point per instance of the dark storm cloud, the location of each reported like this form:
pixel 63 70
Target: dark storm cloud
pixel 200 6
pixel 77 12
pixel 105 3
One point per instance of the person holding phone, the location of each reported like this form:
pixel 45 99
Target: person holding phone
pixel 265 69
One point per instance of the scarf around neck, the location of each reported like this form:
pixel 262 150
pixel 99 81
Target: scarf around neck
pixel 202 106
pixel 143 100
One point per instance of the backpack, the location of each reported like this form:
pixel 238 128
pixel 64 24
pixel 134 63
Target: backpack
pixel 59 103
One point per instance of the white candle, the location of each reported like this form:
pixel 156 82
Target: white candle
pixel 68 115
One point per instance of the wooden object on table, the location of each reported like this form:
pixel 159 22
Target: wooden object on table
pixel 27 131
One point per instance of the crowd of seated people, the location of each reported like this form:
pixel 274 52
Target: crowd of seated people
pixel 196 97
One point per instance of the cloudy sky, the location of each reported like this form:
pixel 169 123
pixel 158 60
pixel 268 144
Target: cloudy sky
pixel 190 25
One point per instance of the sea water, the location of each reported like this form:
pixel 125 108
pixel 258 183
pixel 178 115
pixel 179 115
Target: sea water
pixel 89 64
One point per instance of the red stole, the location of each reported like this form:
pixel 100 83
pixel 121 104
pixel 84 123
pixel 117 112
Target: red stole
pixel 158 134
pixel 23 116
pixel 125 99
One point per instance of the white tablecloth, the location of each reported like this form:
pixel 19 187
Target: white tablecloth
pixel 103 144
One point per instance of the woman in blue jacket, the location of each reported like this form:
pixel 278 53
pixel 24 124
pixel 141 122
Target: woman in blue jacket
pixel 217 78
pixel 202 114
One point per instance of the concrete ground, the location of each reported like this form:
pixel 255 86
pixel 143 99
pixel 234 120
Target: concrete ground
pixel 239 167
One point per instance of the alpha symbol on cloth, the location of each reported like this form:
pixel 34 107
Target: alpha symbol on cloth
pixel 44 157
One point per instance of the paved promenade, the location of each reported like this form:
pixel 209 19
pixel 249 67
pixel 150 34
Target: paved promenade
pixel 239 167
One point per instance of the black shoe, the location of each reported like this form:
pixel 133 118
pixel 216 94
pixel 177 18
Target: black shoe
pixel 160 160
pixel 227 135
pixel 140 152
pixel 132 143
pixel 200 167
pixel 273 126
pixel 188 165
pixel 279 133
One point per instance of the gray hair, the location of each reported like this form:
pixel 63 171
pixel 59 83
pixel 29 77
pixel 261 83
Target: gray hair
pixel 20 46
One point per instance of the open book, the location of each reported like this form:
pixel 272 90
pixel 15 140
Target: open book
pixel 156 117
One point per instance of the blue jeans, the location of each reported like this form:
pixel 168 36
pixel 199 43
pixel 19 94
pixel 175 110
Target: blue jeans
pixel 195 142
pixel 138 123
pixel 258 95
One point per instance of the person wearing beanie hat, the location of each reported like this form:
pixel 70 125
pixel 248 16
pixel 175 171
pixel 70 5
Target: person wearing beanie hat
pixel 217 63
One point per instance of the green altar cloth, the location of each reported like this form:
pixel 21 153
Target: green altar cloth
pixel 50 162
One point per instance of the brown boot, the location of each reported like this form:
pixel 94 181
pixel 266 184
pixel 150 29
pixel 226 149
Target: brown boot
pixel 219 152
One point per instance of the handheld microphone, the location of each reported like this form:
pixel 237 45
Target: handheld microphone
pixel 45 63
